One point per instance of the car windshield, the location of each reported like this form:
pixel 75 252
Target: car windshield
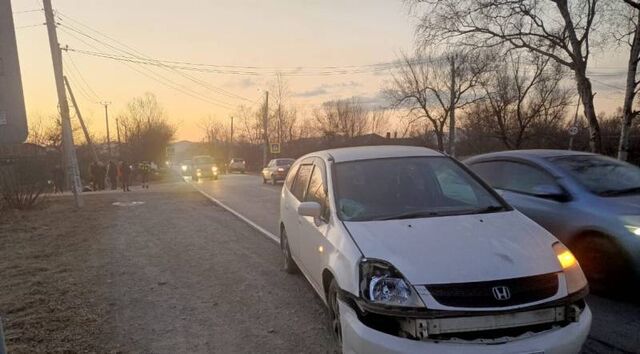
pixel 411 187
pixel 285 162
pixel 203 160
pixel 601 175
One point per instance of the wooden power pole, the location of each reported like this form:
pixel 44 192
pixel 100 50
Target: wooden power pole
pixel 265 132
pixel 67 137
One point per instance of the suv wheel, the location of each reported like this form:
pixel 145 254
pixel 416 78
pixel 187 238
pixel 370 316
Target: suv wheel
pixel 603 262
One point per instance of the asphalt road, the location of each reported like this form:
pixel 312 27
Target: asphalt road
pixel 616 324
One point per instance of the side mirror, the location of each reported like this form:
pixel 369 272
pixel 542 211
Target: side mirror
pixel 312 209
pixel 550 191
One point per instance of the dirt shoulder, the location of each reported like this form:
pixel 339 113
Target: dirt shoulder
pixel 171 274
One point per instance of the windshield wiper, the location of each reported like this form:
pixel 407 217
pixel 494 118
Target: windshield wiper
pixel 614 192
pixel 489 209
pixel 409 215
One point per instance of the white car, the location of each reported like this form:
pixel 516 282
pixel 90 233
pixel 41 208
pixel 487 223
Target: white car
pixel 413 253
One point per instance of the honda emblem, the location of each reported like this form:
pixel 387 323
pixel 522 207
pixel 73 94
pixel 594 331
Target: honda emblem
pixel 501 293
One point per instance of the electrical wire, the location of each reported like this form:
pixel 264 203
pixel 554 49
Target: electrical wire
pixel 137 54
pixel 97 97
pixel 157 77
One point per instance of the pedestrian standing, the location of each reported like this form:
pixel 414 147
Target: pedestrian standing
pixel 112 174
pixel 124 172
pixel 145 169
pixel 58 179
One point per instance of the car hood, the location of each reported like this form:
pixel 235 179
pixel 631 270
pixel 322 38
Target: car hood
pixel 458 249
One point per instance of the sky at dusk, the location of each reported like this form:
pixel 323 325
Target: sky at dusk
pixel 251 33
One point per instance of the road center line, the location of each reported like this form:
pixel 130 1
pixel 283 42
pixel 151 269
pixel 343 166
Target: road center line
pixel 259 228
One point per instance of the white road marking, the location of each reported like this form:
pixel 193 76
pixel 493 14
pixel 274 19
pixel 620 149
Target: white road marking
pixel 259 228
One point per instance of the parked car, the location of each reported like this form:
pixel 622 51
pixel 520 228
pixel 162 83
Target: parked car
pixel 185 167
pixel 413 253
pixel 590 202
pixel 237 165
pixel 276 170
pixel 204 167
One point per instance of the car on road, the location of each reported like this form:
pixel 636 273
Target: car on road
pixel 185 167
pixel 590 202
pixel 276 170
pixel 237 165
pixel 204 166
pixel 411 252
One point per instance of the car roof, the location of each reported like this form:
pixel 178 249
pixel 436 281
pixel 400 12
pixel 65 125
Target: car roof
pixel 529 154
pixel 375 152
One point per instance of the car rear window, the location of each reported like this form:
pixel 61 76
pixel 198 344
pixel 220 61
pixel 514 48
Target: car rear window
pixel 284 162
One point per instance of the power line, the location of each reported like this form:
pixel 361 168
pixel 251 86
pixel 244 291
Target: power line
pixel 86 83
pixel 158 77
pixel 139 55
pixel 27 11
pixel 30 26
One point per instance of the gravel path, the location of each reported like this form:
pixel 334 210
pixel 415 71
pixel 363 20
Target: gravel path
pixel 174 274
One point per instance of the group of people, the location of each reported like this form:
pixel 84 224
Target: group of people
pixel 118 174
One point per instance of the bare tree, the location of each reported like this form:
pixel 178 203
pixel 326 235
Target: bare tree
pixel 214 130
pixel 629 33
pixel 146 128
pixel 346 117
pixel 562 30
pixel 524 96
pixel 433 88
pixel 379 121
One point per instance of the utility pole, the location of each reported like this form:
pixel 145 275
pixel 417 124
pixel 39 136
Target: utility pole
pixel 67 137
pixel 118 136
pixel 231 140
pixel 452 109
pixel 265 133
pixel 106 120
pixel 84 127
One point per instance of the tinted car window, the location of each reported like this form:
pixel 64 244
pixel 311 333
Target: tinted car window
pixel 519 177
pixel 408 187
pixel 204 160
pixel 317 193
pixel 284 162
pixel 601 175
pixel 491 172
pixel 301 182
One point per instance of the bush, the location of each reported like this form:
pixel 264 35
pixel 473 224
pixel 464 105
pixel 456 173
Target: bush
pixel 22 183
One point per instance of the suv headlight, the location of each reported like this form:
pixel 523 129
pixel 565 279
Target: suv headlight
pixel 573 274
pixel 381 283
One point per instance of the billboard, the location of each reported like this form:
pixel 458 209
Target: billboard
pixel 13 117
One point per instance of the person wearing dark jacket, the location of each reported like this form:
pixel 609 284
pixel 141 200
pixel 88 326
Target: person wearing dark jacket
pixel 112 174
pixel 124 172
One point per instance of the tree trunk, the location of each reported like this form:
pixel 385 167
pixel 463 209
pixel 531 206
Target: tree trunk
pixel 586 95
pixel 630 91
pixel 440 139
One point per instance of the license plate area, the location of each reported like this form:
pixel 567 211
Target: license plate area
pixel 490 322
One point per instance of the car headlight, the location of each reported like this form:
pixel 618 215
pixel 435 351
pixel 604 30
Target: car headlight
pixel 381 283
pixel 633 229
pixel 573 274
pixel 214 169
pixel 184 167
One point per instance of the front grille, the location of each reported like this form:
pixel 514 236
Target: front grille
pixel 481 294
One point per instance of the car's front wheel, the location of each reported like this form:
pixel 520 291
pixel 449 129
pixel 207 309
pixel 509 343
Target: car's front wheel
pixel 288 264
pixel 273 180
pixel 334 312
pixel 603 262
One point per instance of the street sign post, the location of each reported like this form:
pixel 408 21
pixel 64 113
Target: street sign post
pixel 13 116
pixel 573 131
pixel 275 148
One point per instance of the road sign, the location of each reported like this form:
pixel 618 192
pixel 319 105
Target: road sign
pixel 275 148
pixel 573 131
pixel 13 116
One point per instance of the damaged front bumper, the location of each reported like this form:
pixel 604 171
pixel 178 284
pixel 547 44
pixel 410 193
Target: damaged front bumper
pixel 555 328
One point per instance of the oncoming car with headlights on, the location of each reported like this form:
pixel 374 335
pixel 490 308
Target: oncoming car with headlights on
pixel 204 167
pixel 411 252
